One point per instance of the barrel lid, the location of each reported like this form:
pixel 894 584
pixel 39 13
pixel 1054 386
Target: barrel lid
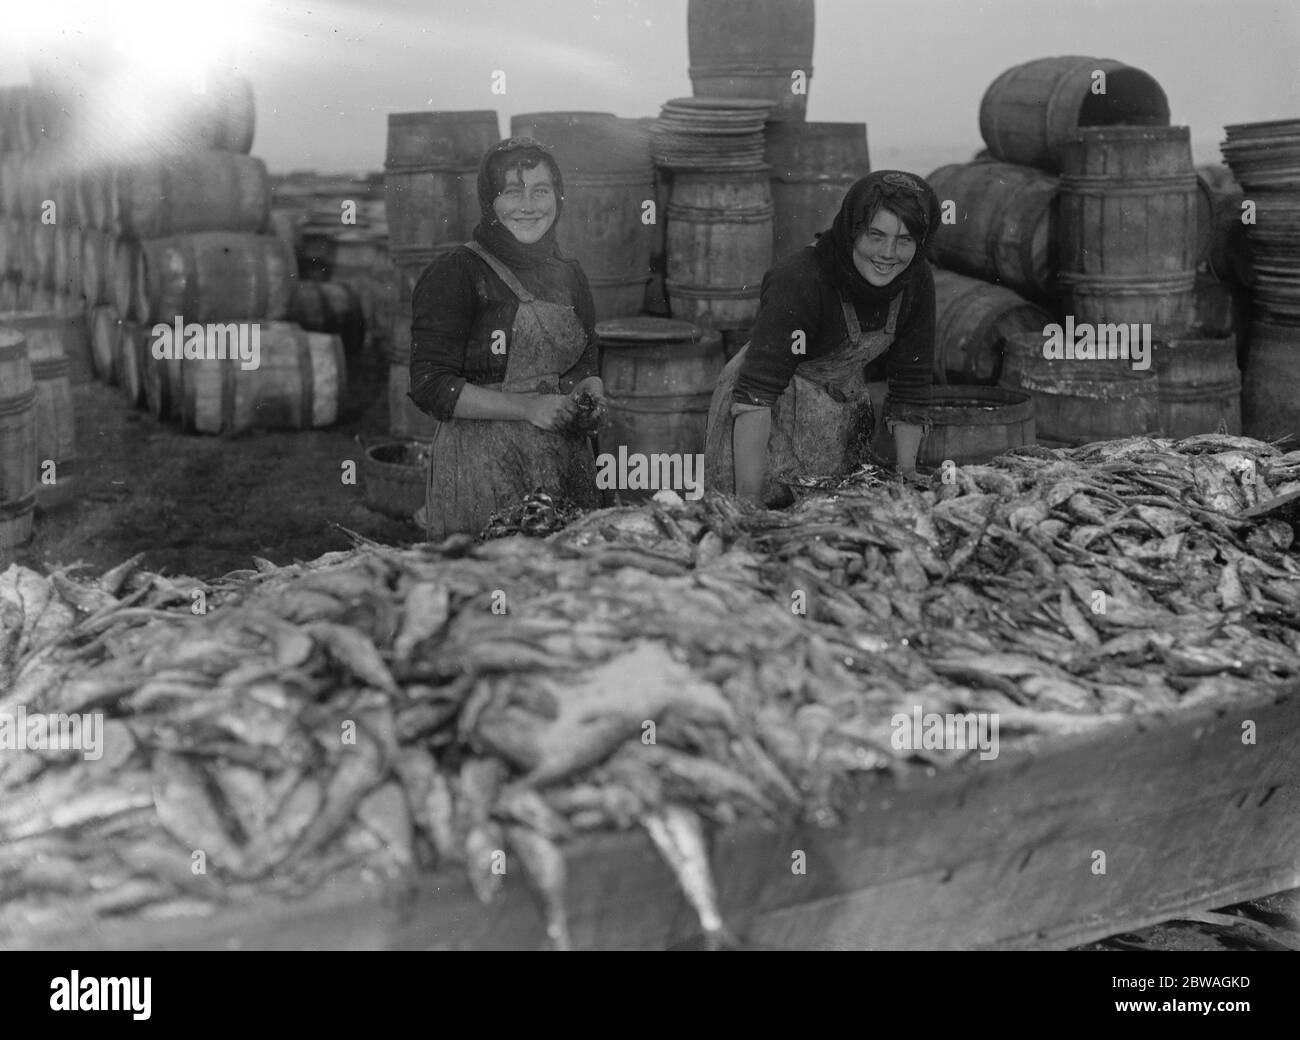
pixel 709 103
pixel 646 330
pixel 436 118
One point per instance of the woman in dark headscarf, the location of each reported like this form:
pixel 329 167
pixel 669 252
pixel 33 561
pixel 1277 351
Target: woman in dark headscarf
pixel 503 342
pixel 795 398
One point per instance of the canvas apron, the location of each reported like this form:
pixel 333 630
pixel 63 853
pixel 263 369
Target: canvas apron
pixel 480 466
pixel 822 425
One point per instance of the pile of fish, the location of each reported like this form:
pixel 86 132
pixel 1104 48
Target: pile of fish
pixel 670 667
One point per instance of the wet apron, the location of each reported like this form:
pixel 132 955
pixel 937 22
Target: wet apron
pixel 481 466
pixel 821 426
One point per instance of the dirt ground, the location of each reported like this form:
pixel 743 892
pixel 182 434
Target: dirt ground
pixel 203 505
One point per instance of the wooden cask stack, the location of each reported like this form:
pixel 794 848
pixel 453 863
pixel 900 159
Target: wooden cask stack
pixel 166 225
pixel 1087 207
pixel 1265 160
pixel 431 171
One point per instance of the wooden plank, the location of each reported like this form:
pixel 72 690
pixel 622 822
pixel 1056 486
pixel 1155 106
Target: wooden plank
pixel 993 854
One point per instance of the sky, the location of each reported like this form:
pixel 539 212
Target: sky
pixel 326 73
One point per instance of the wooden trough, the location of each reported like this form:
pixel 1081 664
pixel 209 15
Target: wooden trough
pixel 996 854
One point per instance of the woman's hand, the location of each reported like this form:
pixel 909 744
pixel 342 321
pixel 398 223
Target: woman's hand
pixel 593 385
pixel 551 411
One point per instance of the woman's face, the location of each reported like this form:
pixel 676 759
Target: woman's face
pixel 526 205
pixel 884 250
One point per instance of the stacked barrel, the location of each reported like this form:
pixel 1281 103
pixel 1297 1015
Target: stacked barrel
pixel 336 227
pixel 432 206
pixel 1086 212
pixel 119 230
pixel 1265 159
pixel 44 334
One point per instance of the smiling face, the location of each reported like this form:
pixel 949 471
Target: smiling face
pixel 884 250
pixel 526 205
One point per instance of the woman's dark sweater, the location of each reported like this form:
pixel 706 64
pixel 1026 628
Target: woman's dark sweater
pixel 457 306
pixel 798 293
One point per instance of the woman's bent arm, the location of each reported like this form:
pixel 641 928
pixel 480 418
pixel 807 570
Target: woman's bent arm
pixel 749 436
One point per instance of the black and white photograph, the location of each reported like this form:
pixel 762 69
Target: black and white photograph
pixel 650 475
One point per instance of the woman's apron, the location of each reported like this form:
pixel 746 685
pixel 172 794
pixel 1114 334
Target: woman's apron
pixel 481 466
pixel 821 426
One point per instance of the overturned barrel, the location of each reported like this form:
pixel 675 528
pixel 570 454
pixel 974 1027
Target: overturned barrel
pixel 1004 225
pixel 973 321
pixel 1031 110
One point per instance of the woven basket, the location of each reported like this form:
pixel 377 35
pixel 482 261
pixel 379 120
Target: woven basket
pixel 394 488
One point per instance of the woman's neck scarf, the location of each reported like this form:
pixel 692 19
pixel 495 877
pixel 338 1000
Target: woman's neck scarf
pixel 494 236
pixel 835 245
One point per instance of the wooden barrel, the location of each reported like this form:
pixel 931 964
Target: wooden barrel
pixel 1229 251
pixel 11 248
pixel 1270 393
pixel 287 224
pixel 213 276
pixel 58 331
pixel 1079 401
pixel 125 270
pixel 91 196
pixel 1005 226
pixel 405 420
pixel 56 441
pixel 973 321
pixel 222 115
pixel 96 264
pixel 105 342
pixel 719 245
pixel 162 383
pixel 659 375
pixel 608 178
pixel 18 131
pixel 1030 112
pixel 332 307
pixel 431 174
pixel 203 191
pixel 752 49
pixel 813 167
pixel 408 268
pixel 1199 383
pixel 970 425
pixel 38 266
pixel 17 442
pixel 133 348
pixel 359 259
pixel 68 276
pixel 299 384
pixel 1128 223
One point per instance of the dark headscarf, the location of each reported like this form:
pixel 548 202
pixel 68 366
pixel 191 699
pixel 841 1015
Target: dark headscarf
pixel 490 232
pixel 886 189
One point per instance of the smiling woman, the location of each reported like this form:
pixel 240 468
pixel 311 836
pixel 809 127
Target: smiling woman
pixel 503 345
pixel 795 399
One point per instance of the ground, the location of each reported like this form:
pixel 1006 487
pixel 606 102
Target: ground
pixel 204 506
